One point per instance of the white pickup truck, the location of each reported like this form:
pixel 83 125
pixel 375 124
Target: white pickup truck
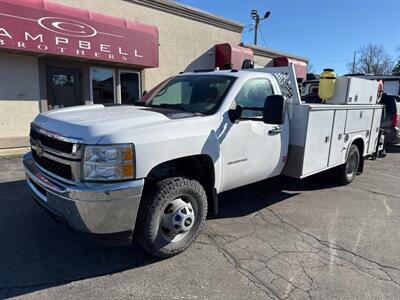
pixel 152 169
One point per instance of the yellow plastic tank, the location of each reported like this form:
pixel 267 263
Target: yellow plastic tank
pixel 327 81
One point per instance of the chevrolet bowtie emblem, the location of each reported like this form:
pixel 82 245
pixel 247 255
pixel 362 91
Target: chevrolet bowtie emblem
pixel 37 147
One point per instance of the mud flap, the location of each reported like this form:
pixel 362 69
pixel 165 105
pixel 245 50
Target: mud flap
pixel 361 166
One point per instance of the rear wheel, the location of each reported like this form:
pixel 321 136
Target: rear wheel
pixel 346 172
pixel 171 216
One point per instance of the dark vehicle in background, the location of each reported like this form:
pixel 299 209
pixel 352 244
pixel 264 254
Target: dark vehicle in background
pixel 391 118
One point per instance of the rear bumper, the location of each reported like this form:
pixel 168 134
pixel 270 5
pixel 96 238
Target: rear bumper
pixel 104 210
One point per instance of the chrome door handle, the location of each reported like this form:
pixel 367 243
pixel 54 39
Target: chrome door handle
pixel 275 130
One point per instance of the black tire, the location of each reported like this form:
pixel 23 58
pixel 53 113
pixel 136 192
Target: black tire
pixel 149 231
pixel 345 173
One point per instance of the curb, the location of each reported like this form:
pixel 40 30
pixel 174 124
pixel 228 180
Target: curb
pixel 13 151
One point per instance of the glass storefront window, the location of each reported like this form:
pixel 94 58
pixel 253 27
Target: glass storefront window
pixel 130 90
pixel 63 87
pixel 103 85
pixel 62 79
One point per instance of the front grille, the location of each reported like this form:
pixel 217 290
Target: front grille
pixel 52 143
pixel 52 166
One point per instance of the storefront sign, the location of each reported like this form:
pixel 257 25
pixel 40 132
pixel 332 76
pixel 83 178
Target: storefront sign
pixel 44 27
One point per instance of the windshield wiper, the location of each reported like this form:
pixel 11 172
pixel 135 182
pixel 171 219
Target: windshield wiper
pixel 138 103
pixel 172 106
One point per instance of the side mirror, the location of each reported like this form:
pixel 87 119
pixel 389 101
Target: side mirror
pixel 274 109
pixel 235 113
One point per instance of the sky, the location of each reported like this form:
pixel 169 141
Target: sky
pixel 327 32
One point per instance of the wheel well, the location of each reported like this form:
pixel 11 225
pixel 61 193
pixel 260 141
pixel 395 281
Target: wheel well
pixel 360 145
pixel 199 167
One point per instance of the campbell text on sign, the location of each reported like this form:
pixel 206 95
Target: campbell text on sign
pixel 44 31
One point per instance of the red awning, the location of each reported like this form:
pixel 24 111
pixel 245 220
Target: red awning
pixel 299 65
pixel 231 55
pixel 43 27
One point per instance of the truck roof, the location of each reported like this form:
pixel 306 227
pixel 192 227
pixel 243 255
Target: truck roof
pixel 233 73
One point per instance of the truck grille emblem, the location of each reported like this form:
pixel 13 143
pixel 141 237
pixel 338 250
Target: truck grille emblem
pixel 37 147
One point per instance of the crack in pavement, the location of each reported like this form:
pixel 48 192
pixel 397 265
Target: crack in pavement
pixel 335 246
pixel 237 266
pixel 373 192
pixel 294 255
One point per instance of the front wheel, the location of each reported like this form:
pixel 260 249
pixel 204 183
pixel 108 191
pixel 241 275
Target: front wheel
pixel 346 173
pixel 171 216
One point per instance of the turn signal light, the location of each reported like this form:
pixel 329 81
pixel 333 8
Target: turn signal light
pixel 127 171
pixel 127 154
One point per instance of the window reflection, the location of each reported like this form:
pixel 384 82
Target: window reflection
pixel 62 79
pixel 129 87
pixel 253 94
pixel 102 85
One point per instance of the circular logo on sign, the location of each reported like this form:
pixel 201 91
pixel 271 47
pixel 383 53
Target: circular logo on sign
pixel 67 27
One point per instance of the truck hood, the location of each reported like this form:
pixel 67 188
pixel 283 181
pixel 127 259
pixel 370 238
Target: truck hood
pixel 90 123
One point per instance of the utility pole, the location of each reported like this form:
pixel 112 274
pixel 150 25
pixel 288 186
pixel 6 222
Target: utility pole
pixel 256 23
pixel 354 63
pixel 255 16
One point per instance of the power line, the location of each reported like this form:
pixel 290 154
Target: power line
pixel 249 30
pixel 349 55
pixel 248 25
pixel 245 21
pixel 335 60
pixel 262 37
pixel 331 62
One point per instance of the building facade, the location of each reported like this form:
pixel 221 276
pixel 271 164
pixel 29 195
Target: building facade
pixel 74 52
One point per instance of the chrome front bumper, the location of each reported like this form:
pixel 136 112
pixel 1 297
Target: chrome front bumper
pixel 95 208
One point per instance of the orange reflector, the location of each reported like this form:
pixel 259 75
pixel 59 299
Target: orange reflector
pixel 127 154
pixel 127 171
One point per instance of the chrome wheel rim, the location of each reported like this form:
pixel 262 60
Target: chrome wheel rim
pixel 351 165
pixel 178 218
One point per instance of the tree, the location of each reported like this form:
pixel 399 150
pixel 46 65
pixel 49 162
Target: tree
pixel 372 59
pixel 396 69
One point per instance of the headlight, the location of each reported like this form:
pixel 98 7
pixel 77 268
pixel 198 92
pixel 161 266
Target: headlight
pixel 114 162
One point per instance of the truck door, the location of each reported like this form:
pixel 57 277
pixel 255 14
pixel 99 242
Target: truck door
pixel 252 150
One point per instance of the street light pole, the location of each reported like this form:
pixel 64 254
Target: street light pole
pixel 256 17
pixel 257 22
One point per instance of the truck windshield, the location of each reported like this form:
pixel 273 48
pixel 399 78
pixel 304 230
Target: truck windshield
pixel 192 93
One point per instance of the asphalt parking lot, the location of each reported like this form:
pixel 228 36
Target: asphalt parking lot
pixel 281 238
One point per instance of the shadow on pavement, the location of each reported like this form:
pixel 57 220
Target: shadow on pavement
pixel 36 253
pixel 393 149
pixel 254 197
